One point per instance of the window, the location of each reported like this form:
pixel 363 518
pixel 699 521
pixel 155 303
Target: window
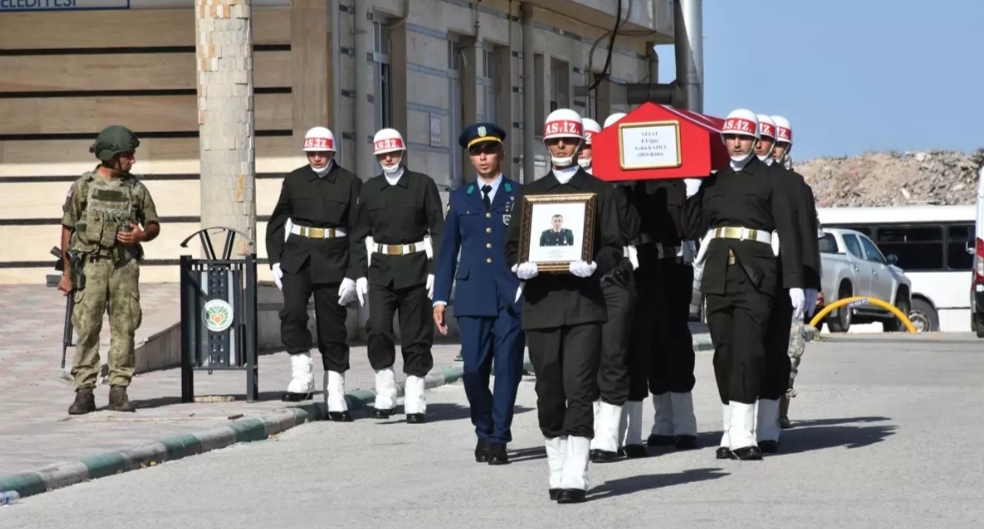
pixel 560 78
pixel 489 81
pixel 853 246
pixel 958 239
pixel 871 251
pixel 828 244
pixel 384 84
pixel 456 111
pixel 917 247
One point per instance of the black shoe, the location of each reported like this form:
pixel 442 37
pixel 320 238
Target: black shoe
pixel 748 453
pixel 554 493
pixel 296 397
pixel 660 440
pixel 497 454
pixel 85 402
pixel 482 451
pixel 769 447
pixel 723 452
pixel 416 418
pixel 339 416
pixel 603 456
pixel 382 414
pixel 118 400
pixel 685 442
pixel 635 451
pixel 570 496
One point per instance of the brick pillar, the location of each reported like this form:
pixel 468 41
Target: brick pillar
pixel 224 48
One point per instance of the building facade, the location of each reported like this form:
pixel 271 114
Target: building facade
pixel 430 68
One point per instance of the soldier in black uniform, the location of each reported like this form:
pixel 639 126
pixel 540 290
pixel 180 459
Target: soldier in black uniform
pixel 563 314
pixel 400 224
pixel 558 235
pixel 735 212
pixel 666 282
pixel 320 200
pixel 620 297
pixel 776 381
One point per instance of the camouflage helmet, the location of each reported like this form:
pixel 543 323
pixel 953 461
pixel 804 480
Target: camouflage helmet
pixel 114 140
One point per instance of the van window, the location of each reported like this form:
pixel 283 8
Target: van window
pixel 917 247
pixel 957 238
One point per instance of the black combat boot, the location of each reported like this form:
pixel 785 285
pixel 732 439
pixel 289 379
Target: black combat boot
pixel 118 400
pixel 85 402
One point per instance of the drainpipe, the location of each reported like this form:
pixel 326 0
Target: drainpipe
pixel 687 90
pixel 364 115
pixel 336 79
pixel 529 96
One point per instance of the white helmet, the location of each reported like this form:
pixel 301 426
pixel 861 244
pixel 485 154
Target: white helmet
pixel 388 140
pixel 564 123
pixel 767 127
pixel 591 127
pixel 784 131
pixel 610 120
pixel 742 122
pixel 319 139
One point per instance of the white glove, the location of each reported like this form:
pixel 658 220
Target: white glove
pixel 798 297
pixel 430 286
pixel 362 290
pixel 583 269
pixel 810 303
pixel 346 292
pixel 693 185
pixel 526 271
pixel 278 274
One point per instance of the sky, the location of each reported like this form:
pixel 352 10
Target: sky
pixel 850 75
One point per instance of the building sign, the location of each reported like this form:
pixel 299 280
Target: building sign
pixel 61 5
pixel 435 130
pixel 649 145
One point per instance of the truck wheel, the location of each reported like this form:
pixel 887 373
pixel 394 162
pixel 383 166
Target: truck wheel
pixel 978 324
pixel 895 324
pixel 842 321
pixel 923 316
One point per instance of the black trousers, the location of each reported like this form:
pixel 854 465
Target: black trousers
pixel 739 321
pixel 613 369
pixel 330 317
pixel 673 358
pixel 416 328
pixel 565 361
pixel 777 363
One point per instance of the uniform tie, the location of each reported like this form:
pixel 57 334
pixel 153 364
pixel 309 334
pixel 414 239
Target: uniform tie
pixel 486 189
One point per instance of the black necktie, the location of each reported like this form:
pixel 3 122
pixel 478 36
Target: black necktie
pixel 486 189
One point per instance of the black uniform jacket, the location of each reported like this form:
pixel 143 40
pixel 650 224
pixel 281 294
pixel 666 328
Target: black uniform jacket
pixel 806 217
pixel 556 300
pixel 399 214
pixel 328 202
pixel 629 225
pixel 756 197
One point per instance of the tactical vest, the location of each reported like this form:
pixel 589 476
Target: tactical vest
pixel 107 211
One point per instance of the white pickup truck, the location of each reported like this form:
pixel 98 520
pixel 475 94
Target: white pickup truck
pixel 854 266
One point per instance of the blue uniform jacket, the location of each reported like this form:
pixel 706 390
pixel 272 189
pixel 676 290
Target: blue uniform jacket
pixel 485 283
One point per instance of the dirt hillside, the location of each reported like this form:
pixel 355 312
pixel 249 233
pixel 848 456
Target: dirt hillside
pixel 893 179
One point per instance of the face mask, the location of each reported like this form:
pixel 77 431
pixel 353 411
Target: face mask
pixel 585 163
pixel 768 155
pixel 567 161
pixel 324 170
pixel 390 169
pixel 740 160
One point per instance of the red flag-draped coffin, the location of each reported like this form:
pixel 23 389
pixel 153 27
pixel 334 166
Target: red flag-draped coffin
pixel 658 141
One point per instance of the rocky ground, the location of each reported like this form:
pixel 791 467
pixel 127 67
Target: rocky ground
pixel 894 178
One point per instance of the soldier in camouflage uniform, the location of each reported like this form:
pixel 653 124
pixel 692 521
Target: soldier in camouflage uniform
pixel 108 213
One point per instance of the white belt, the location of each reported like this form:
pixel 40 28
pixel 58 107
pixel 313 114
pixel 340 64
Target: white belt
pixel 737 233
pixel 633 255
pixel 400 249
pixel 317 233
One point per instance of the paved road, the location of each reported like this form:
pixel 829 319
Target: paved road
pixel 887 434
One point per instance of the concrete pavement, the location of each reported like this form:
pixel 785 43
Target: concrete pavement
pixel 886 434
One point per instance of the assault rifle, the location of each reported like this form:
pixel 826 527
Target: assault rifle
pixel 69 299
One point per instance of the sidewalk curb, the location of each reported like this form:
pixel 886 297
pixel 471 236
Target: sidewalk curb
pixel 247 430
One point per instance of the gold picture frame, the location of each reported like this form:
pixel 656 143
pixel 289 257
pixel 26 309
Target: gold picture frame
pixel 626 166
pixel 554 254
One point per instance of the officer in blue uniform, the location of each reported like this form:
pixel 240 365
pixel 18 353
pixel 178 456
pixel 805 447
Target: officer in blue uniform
pixel 486 306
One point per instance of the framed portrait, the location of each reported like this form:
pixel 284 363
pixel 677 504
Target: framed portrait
pixel 557 230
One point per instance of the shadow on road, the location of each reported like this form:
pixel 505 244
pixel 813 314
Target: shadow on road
pixel 821 434
pixel 633 484
pixel 445 411
pixel 160 402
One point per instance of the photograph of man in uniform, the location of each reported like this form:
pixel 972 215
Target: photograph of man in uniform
pixel 557 235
